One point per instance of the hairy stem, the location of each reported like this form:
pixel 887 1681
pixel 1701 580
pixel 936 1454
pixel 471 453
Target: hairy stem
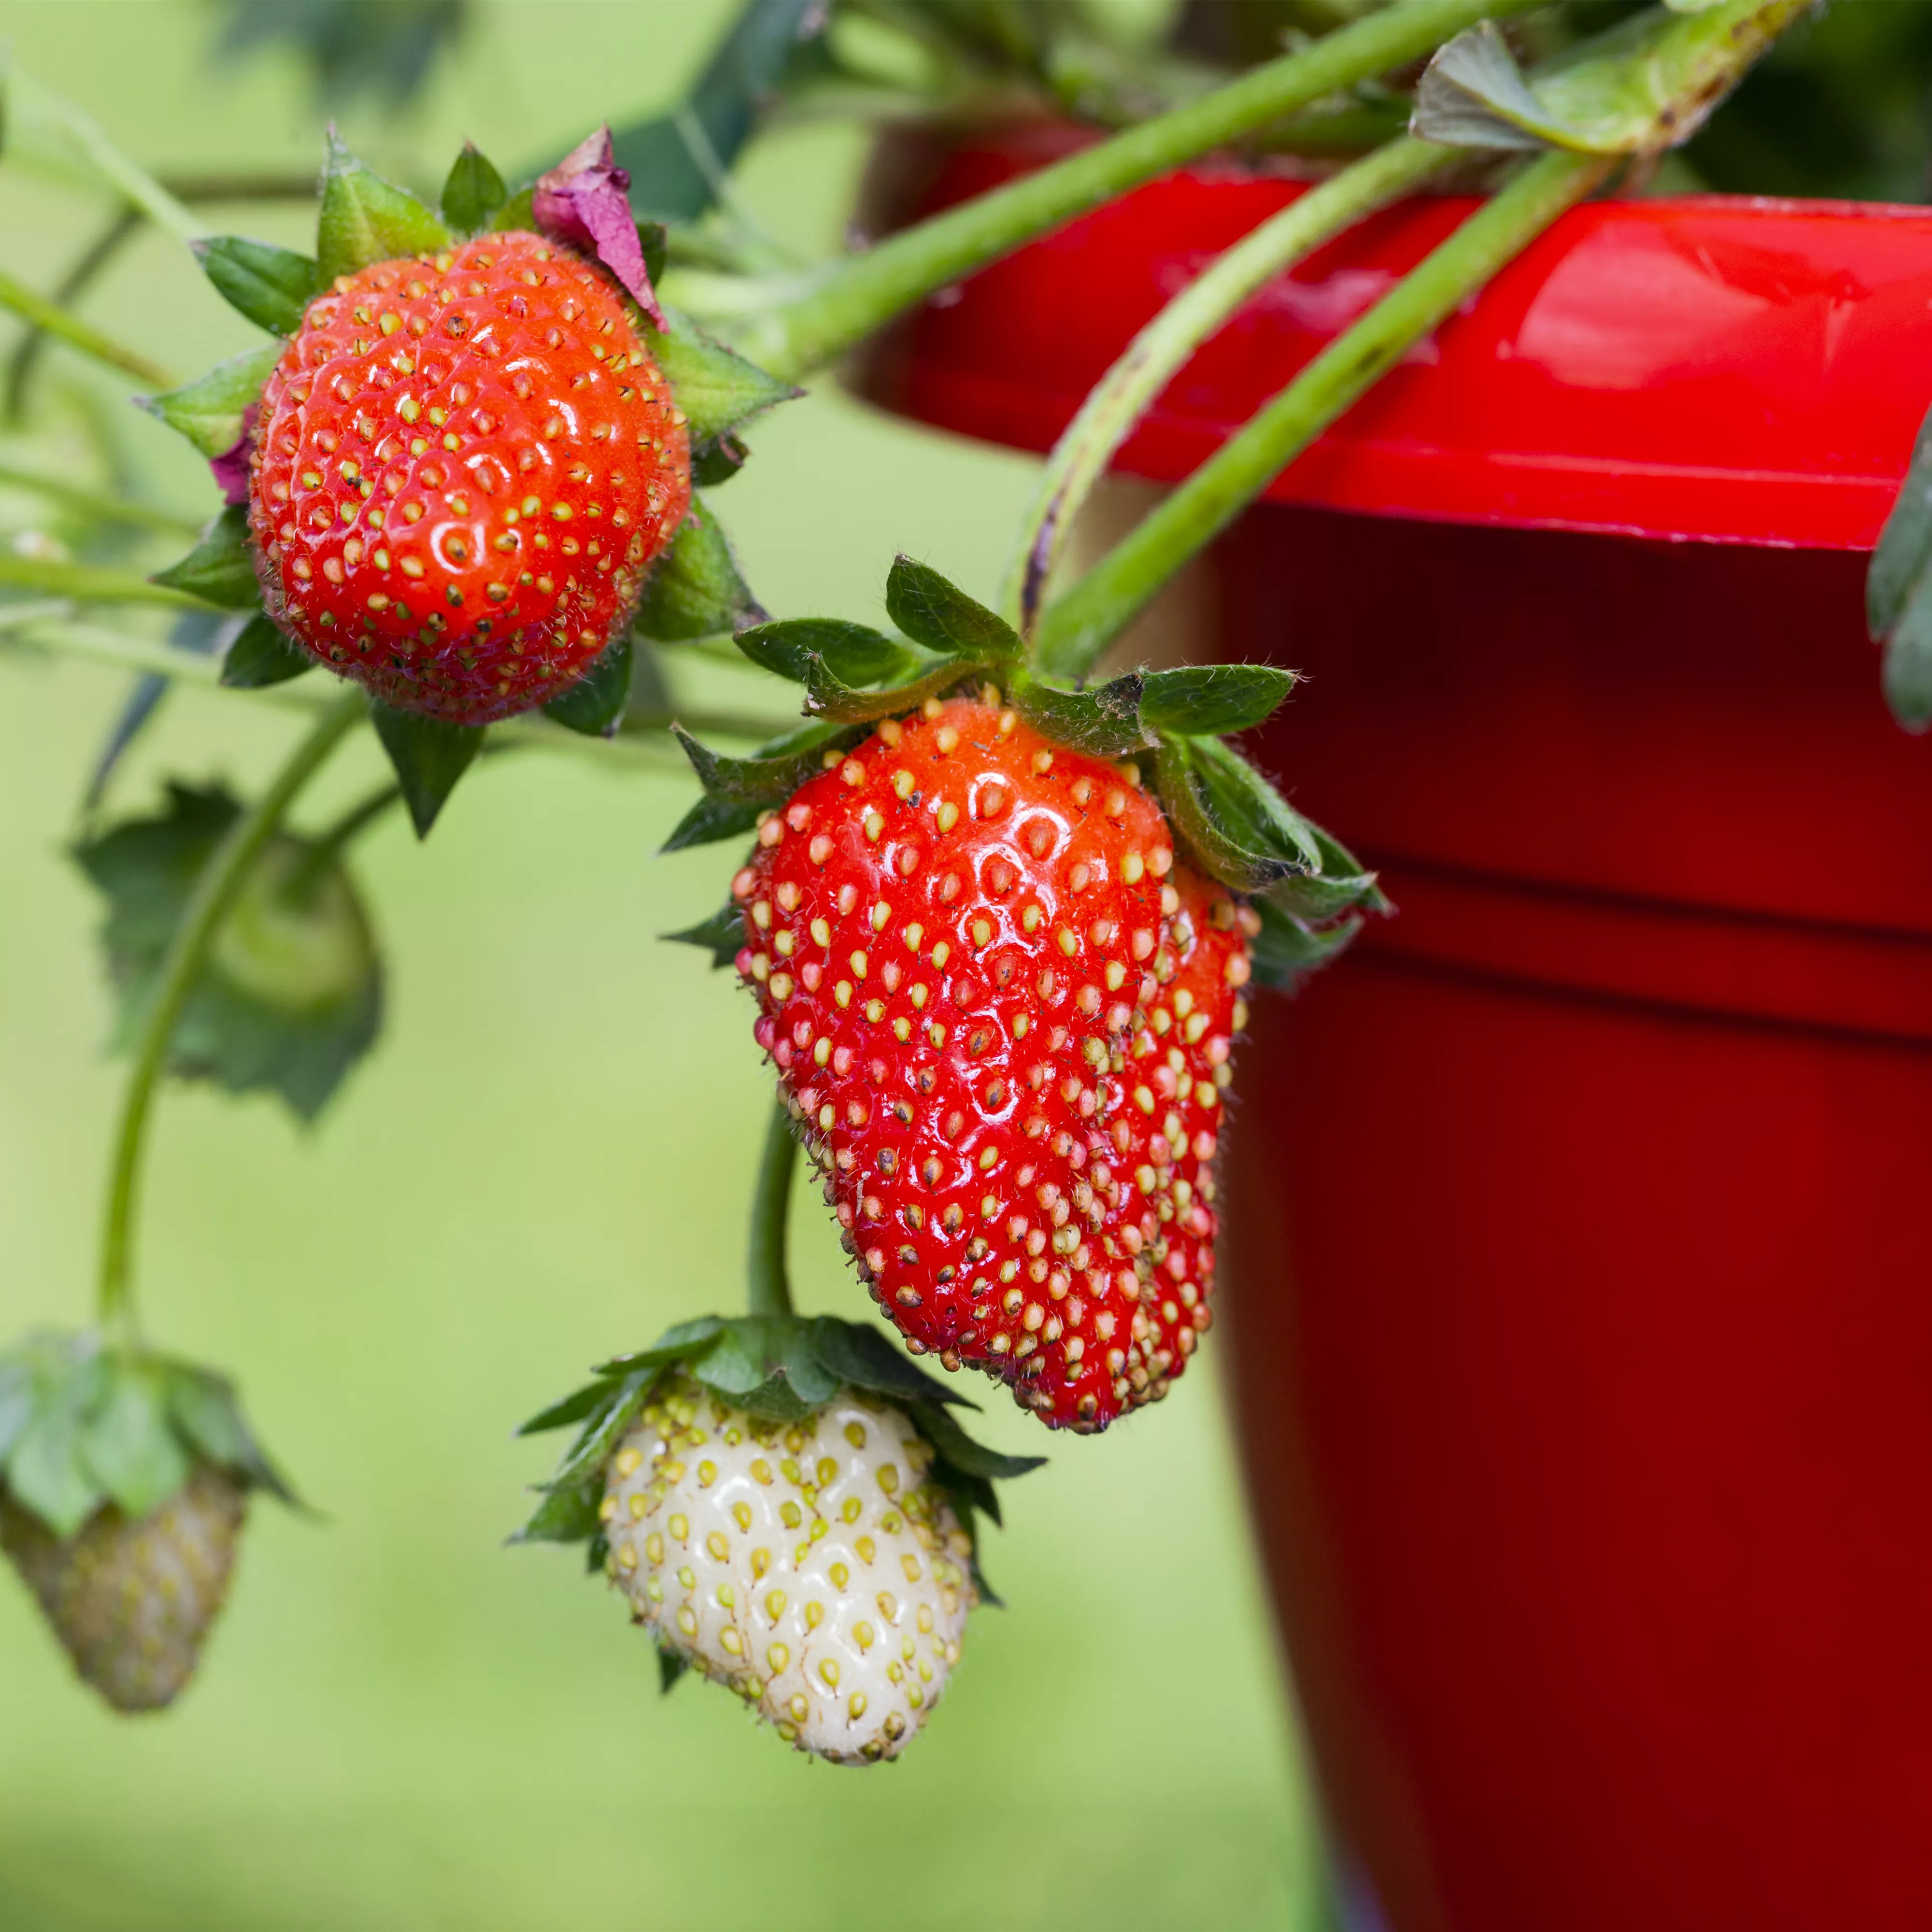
pixel 769 1288
pixel 858 295
pixel 97 504
pixel 221 880
pixel 25 359
pixel 1156 355
pixel 1075 629
pixel 38 312
pixel 89 583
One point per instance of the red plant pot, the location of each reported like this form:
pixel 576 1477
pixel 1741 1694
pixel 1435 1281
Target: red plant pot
pixel 1579 1253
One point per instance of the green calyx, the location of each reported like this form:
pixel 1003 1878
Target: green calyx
pixel 83 1425
pixel 776 1368
pixel 291 995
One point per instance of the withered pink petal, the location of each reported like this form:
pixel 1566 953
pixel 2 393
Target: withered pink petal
pixel 585 199
pixel 231 466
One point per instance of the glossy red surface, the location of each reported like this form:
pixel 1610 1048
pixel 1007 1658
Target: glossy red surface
pixel 1736 370
pixel 1580 1310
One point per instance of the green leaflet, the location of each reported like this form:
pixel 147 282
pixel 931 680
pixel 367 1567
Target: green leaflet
pixel 270 286
pixel 853 654
pixel 90 1426
pixel 721 935
pixel 936 613
pixel 716 387
pixel 474 192
pixel 261 655
pixel 365 219
pixel 1207 699
pixel 752 782
pixel 291 997
pixel 595 704
pixel 709 822
pixel 221 568
pixel 429 757
pixel 695 588
pixel 209 410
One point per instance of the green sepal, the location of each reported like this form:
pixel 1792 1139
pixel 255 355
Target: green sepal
pixel 935 612
pixel 654 244
pixel 262 655
pixel 595 704
pixel 271 285
pixel 1898 592
pixel 709 822
pixel 753 781
pixel 1104 721
pixel 209 410
pixel 221 569
pixel 828 696
pixel 519 212
pixel 1287 949
pixel 719 461
pixel 473 194
pixel 93 1425
pixel 429 757
pixel 854 654
pixel 1343 884
pixel 695 588
pixel 1245 801
pixel 716 387
pixel 782 1368
pixel 365 219
pixel 671 1665
pixel 1206 700
pixel 1234 852
pixel 291 996
pixel 721 935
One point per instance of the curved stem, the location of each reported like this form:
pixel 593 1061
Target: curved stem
pixel 859 294
pixel 1075 629
pixel 1156 355
pixel 25 359
pixel 39 312
pixel 769 1289
pixel 221 880
pixel 89 582
pixel 97 503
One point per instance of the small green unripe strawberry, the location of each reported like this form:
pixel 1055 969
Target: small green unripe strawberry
pixel 132 1599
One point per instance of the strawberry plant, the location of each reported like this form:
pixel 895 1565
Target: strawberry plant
pixel 1000 913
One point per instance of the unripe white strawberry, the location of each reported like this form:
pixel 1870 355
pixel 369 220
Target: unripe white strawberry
pixel 812 1566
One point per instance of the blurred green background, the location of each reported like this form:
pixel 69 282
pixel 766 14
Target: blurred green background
pixel 401 1723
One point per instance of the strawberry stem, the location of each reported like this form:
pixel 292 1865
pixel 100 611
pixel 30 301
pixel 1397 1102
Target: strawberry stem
pixel 37 312
pixel 863 292
pixel 769 1285
pixel 215 891
pixel 1077 627
pixel 1151 361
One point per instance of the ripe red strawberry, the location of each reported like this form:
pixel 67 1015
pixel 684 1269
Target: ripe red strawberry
pixel 1005 1013
pixel 464 465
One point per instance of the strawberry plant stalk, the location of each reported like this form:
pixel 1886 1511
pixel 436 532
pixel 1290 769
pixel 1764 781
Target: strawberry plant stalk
pixel 52 319
pixel 1076 627
pixel 1156 355
pixel 769 1284
pixel 866 291
pixel 215 893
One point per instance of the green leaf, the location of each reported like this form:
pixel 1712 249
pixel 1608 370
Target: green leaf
pixel 595 704
pixel 518 212
pixel 770 1365
pixel 572 1408
pixel 678 160
pixel 271 285
pixel 365 219
pixel 716 387
pixel 17 1403
pixel 207 1413
pixel 1472 94
pixel 1341 884
pixel 262 655
pixel 854 654
pixel 1104 722
pixel 751 782
pixel 429 757
pixel 221 568
pixel 292 996
pixel 209 410
pixel 959 1449
pixel 709 822
pixel 45 1474
pixel 683 1339
pixel 859 1354
pixel 604 1428
pixel 695 588
pixel 1234 853
pixel 721 935
pixel 1907 676
pixel 938 614
pixel 1287 949
pixel 1898 591
pixel 564 1516
pixel 671 1665
pixel 127 1445
pixel 1207 700
pixel 474 193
